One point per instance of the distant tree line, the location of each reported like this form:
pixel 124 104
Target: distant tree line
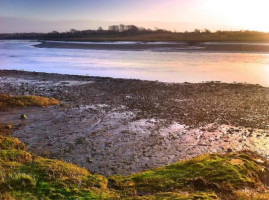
pixel 127 31
pixel 73 33
pixel 132 29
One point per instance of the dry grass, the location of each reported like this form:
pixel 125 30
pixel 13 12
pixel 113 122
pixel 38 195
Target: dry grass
pixel 8 101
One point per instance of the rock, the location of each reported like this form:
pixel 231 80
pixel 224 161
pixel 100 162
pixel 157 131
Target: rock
pixel 89 159
pixel 23 116
pixel 9 126
pixel 229 150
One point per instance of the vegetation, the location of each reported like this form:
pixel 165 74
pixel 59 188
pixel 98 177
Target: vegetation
pixel 7 101
pixel 23 175
pixel 26 176
pixel 134 33
pixel 217 175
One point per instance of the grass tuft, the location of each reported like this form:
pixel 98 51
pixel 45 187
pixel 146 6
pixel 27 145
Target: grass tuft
pixel 8 101
pixel 11 143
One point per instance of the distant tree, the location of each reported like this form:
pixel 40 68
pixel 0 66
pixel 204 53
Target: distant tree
pixel 114 28
pixel 142 29
pixel 197 31
pixel 73 31
pixel 122 28
pixel 132 28
pixel 55 32
pixel 207 31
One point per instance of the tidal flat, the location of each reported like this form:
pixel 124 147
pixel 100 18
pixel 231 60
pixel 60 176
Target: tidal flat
pixel 161 46
pixel 121 126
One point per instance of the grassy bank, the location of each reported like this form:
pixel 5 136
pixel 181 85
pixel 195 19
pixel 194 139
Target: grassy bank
pixel 7 101
pixel 23 175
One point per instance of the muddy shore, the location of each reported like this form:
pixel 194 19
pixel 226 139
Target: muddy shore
pixel 163 47
pixel 120 126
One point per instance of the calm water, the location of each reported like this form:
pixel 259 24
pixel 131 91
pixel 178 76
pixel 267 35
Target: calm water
pixel 147 65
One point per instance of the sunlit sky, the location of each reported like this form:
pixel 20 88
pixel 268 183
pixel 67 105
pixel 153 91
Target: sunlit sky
pixel 179 15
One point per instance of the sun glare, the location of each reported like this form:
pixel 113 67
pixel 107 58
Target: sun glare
pixel 242 14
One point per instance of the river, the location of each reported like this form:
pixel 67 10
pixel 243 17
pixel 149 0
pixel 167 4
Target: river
pixel 183 66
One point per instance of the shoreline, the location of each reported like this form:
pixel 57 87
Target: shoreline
pixel 122 126
pixel 158 46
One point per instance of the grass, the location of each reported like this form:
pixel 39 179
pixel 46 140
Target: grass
pixel 23 175
pixel 222 174
pixel 26 176
pixel 8 101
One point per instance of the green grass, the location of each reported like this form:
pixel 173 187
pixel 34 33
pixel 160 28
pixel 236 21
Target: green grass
pixel 222 174
pixel 24 175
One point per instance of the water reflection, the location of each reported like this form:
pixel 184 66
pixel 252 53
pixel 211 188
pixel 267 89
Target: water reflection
pixel 147 65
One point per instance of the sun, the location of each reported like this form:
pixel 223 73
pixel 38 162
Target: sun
pixel 241 14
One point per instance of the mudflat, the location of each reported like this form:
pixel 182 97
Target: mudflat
pixel 161 46
pixel 121 126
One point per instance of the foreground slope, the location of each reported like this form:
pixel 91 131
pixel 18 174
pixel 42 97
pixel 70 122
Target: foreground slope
pixel 242 175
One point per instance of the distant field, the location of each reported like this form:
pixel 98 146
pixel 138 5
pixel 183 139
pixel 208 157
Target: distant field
pixel 89 35
pixel 174 37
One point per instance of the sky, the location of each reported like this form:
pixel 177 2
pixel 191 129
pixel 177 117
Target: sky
pixel 175 15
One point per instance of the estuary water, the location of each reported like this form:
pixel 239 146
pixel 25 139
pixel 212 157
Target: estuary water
pixel 183 66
